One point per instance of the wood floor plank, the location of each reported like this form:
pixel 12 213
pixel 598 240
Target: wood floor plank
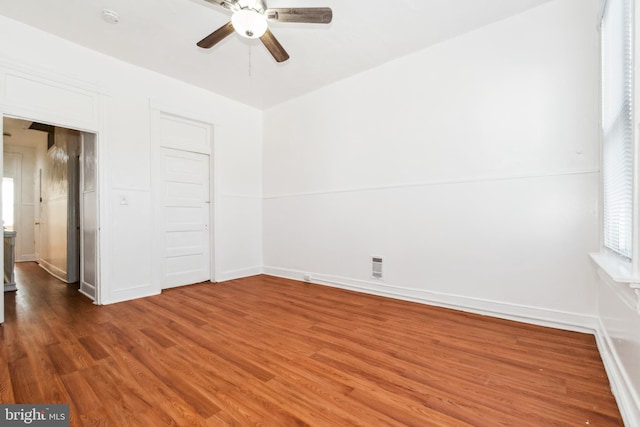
pixel 128 403
pixel 6 387
pixel 81 393
pixel 421 394
pixel 276 352
pixel 25 384
pixel 236 392
pixel 222 350
pixel 94 347
pixel 326 392
pixel 200 402
pixel 138 381
pixel 175 411
pixel 222 419
pixel 156 416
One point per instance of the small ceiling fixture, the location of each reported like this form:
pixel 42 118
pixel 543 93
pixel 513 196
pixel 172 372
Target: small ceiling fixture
pixel 110 16
pixel 249 23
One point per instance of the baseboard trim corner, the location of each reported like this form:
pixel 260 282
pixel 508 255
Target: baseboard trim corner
pixel 239 274
pixel 627 399
pixel 56 272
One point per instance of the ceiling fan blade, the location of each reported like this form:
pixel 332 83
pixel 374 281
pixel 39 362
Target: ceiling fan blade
pixel 217 36
pixel 312 15
pixel 274 47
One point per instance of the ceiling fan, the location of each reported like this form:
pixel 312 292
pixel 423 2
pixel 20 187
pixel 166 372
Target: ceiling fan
pixel 251 19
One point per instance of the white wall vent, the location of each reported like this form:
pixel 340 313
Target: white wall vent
pixel 376 267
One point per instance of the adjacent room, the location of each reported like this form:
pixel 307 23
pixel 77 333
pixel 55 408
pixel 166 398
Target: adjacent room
pixel 323 213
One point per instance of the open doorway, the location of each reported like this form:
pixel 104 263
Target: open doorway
pixel 52 171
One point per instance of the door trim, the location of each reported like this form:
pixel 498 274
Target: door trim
pixel 100 182
pixel 78 105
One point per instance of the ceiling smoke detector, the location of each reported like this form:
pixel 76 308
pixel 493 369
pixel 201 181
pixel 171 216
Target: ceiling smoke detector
pixel 110 16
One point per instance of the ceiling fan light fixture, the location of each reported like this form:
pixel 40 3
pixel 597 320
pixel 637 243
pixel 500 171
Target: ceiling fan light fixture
pixel 249 23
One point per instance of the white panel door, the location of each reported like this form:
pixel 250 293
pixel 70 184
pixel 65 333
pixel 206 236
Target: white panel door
pixel 184 217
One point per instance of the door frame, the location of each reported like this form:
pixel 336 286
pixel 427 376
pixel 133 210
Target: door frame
pixel 7 113
pixel 157 111
pixel 30 93
pixel 87 138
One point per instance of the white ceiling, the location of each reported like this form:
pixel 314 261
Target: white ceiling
pixel 161 35
pixel 16 131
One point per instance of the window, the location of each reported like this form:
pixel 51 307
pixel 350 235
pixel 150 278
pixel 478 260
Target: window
pixel 7 203
pixel 617 126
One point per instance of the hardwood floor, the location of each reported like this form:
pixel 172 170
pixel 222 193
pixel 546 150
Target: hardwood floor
pixel 274 352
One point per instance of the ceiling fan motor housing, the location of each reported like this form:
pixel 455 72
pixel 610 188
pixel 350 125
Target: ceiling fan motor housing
pixel 258 5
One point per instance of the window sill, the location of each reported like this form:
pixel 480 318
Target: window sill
pixel 617 269
pixel 621 272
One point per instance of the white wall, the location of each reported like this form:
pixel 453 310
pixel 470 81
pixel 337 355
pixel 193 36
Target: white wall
pixel 127 94
pixel 471 167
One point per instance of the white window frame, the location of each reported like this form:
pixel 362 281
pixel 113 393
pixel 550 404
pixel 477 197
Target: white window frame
pixel 618 153
pixel 617 267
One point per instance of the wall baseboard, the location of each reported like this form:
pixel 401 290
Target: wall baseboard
pixel 134 292
pixel 56 272
pixel 87 294
pixel 87 290
pixel 147 290
pixel 627 399
pixel 521 313
pixel 239 274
